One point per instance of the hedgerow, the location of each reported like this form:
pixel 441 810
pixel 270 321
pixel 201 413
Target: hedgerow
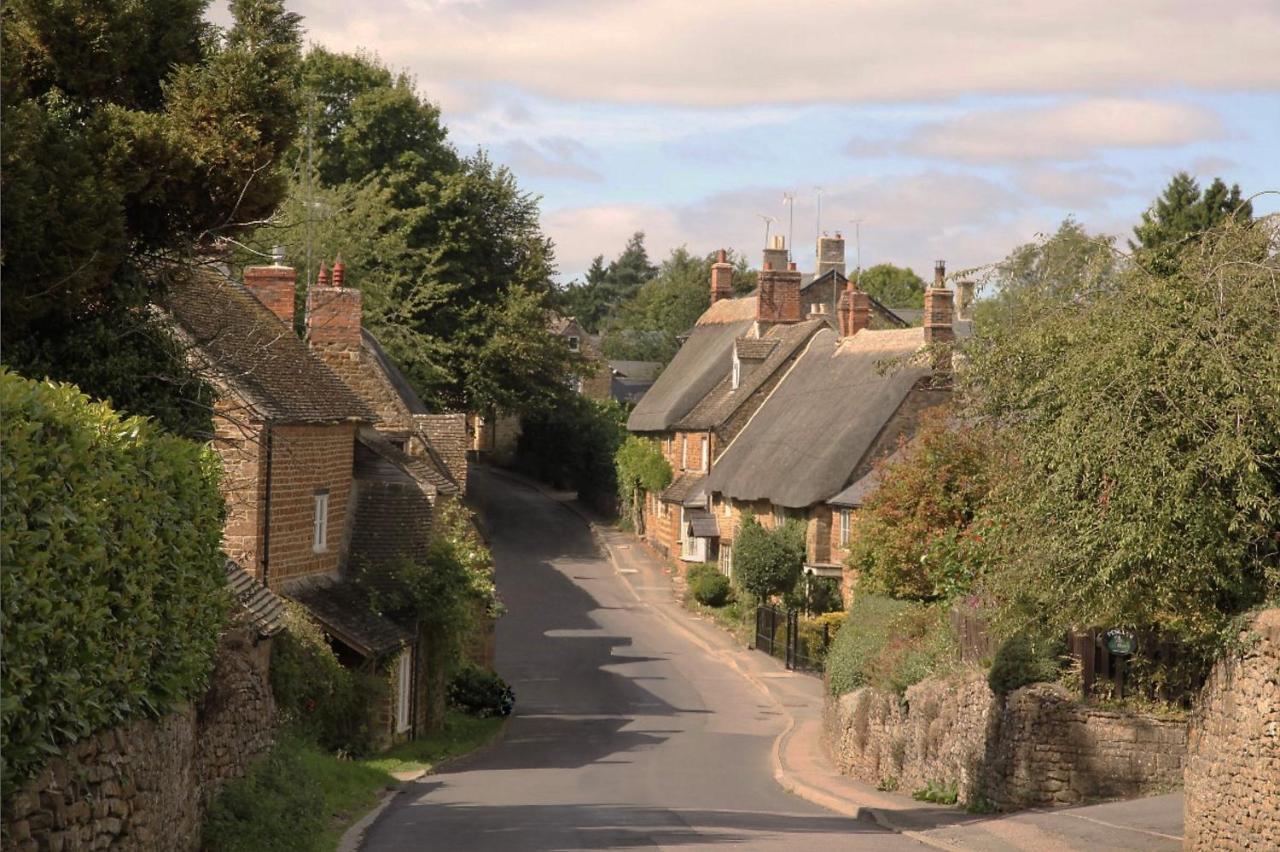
pixel 112 594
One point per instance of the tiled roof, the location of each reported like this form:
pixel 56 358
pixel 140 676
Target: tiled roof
pixel 639 370
pixel 245 345
pixel 395 377
pixel 755 348
pixel 723 400
pixel 687 486
pixel 811 434
pixel 263 609
pixel 344 611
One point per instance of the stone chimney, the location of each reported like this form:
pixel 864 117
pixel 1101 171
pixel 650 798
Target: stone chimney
pixel 853 310
pixel 273 286
pixel 938 308
pixel 778 299
pixel 964 300
pixel 776 255
pixel 333 311
pixel 830 254
pixel 721 278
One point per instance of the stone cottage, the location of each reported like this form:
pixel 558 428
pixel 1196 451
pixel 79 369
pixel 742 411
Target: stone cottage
pixel 313 491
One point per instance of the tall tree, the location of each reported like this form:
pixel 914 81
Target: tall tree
pixel 136 138
pixel 893 286
pixel 447 248
pixel 1180 213
pixel 583 300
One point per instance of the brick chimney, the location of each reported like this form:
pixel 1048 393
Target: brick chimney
pixel 721 278
pixel 853 310
pixel 776 255
pixel 830 254
pixel 778 299
pixel 333 311
pixel 938 308
pixel 273 286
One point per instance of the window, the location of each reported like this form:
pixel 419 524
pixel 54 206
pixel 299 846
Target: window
pixel 726 559
pixel 728 508
pixel 846 521
pixel 320 529
pixel 684 450
pixel 706 454
pixel 404 678
pixel 737 371
pixel 574 343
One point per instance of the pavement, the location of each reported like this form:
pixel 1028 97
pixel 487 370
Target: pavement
pixel 639 723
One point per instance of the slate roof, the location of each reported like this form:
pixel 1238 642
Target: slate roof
pixel 262 608
pixel 343 610
pixel 701 523
pixel 639 370
pixel 701 362
pixel 629 390
pixel 686 487
pixel 244 344
pixel 809 436
pixel 377 458
pixel 722 401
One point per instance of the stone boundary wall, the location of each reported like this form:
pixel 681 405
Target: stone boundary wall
pixel 1233 766
pixel 145 785
pixel 1037 747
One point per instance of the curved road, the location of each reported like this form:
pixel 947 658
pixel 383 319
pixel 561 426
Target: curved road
pixel 626 735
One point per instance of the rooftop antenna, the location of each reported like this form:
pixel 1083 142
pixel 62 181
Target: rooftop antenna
pixel 857 241
pixel 789 199
pixel 768 221
pixel 817 228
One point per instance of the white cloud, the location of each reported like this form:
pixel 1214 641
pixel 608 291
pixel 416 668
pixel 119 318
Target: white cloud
pixel 1076 189
pixel 556 158
pixel 739 52
pixel 1072 130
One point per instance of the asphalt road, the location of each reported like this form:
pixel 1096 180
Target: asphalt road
pixel 626 735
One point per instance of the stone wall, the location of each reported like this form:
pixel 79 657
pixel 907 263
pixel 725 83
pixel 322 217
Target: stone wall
pixel 144 786
pixel 1233 767
pixel 1037 747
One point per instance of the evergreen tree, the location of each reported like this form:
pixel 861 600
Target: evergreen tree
pixel 136 139
pixel 1182 212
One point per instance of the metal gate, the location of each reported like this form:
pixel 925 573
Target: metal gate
pixel 789 647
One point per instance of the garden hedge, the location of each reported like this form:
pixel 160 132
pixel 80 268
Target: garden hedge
pixel 112 594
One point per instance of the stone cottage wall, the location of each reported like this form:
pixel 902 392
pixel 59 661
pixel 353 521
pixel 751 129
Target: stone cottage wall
pixel 1038 747
pixel 144 786
pixel 1233 767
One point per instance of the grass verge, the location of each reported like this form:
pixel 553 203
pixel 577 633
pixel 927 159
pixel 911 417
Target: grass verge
pixel 302 799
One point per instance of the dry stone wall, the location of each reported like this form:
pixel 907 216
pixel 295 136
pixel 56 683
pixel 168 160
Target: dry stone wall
pixel 1037 747
pixel 1233 767
pixel 144 786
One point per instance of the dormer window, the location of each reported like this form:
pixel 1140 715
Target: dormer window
pixel 574 343
pixel 737 370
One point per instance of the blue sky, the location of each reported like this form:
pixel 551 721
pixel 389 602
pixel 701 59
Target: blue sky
pixel 944 129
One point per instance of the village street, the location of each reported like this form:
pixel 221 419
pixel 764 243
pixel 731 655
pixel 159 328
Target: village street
pixel 625 734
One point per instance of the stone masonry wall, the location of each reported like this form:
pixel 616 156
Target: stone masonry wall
pixel 1233 767
pixel 144 786
pixel 447 434
pixel 1038 747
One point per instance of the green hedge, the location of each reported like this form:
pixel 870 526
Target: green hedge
pixel 112 594
pixel 889 644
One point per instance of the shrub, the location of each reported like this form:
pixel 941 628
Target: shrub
pixel 480 692
pixel 640 468
pixel 768 562
pixel 113 590
pixel 1022 660
pixel 888 644
pixel 315 694
pixel 711 589
pixel 277 807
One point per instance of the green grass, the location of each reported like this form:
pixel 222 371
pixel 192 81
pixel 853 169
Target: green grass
pixel 302 799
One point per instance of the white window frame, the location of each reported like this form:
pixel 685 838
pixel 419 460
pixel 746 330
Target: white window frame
pixel 320 523
pixel 728 508
pixel 404 679
pixel 737 371
pixel 846 526
pixel 726 559
pixel 706 454
pixel 684 450
pixel 575 344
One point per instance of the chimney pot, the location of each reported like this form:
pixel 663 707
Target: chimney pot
pixel 322 276
pixel 339 271
pixel 791 267
pixel 277 255
pixel 940 274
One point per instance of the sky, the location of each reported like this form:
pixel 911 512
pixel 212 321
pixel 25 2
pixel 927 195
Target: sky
pixel 930 129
